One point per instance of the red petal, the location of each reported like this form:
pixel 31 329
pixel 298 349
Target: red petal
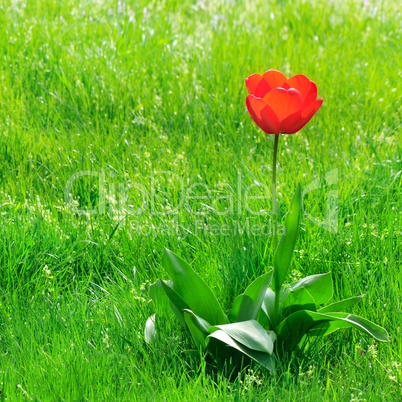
pixel 262 89
pixel 311 94
pixel 288 123
pixel 299 82
pixel 252 83
pixel 284 102
pixel 306 116
pixel 263 115
pixel 306 88
pixel 270 120
pixel 274 78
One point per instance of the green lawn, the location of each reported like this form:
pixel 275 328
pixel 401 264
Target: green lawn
pixel 150 98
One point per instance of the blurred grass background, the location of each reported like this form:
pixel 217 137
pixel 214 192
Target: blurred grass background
pixel 128 90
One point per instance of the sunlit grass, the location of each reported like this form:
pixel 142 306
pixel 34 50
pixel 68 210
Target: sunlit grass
pixel 129 90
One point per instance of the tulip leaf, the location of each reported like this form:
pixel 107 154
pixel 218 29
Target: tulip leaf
pixel 264 320
pixel 283 254
pixel 250 334
pixel 264 359
pixel 363 325
pixel 299 299
pixel 328 327
pixel 268 304
pixel 341 305
pixel 192 289
pixel 291 330
pixel 319 288
pixel 149 331
pixel 176 302
pixel 349 321
pixel 165 299
pixel 158 295
pixel 198 328
pixel 247 305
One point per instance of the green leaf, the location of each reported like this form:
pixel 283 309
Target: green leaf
pixel 283 254
pixel 264 320
pixel 166 300
pixel 307 294
pixel 268 305
pixel 341 305
pixel 250 334
pixel 178 305
pixel 149 331
pixel 319 287
pixel 192 289
pixel 328 327
pixel 363 325
pixel 264 359
pixel 298 299
pixel 294 327
pixel 158 295
pixel 247 305
pixel 197 327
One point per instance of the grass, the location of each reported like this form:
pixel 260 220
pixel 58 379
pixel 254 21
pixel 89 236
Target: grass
pixel 130 90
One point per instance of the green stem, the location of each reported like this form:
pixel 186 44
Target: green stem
pixel 276 317
pixel 274 214
pixel 277 314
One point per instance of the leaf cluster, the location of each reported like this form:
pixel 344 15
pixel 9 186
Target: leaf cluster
pixel 268 317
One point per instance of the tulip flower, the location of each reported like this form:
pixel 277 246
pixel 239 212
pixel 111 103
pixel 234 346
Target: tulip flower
pixel 281 105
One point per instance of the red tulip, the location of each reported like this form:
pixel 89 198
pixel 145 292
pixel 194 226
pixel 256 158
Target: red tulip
pixel 281 105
